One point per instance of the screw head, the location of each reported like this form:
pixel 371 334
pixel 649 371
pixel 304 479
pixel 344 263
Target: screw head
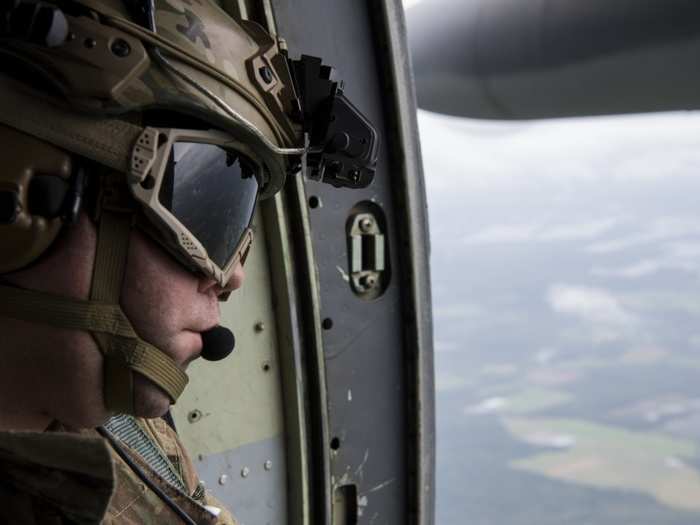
pixel 90 43
pixel 244 472
pixel 120 48
pixel 223 479
pixel 266 74
pixel 259 327
pixel 366 224
pixel 368 281
pixel 268 465
pixel 194 415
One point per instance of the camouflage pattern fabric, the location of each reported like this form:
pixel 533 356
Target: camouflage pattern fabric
pixel 235 49
pixel 54 478
pixel 134 504
pixel 62 477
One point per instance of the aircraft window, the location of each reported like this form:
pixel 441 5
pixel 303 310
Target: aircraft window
pixel 566 285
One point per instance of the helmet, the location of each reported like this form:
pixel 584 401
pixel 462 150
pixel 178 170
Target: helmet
pixel 172 116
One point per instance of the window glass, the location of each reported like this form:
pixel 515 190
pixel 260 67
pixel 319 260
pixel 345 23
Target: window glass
pixel 566 283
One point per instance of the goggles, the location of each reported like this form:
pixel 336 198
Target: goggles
pixel 198 190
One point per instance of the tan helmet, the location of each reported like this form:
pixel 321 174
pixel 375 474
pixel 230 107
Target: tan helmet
pixel 142 102
pixel 197 62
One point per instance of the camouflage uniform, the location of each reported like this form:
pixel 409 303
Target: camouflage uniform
pixel 134 504
pixel 62 477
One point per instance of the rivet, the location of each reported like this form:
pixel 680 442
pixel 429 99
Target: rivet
pixel 266 366
pixel 244 472
pixel 268 465
pixel 259 327
pixel 223 479
pixel 121 48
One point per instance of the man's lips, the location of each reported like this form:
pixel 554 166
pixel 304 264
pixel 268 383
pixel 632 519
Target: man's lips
pixel 190 343
pixel 186 345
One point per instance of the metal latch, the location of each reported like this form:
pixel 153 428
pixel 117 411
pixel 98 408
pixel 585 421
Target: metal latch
pixel 367 255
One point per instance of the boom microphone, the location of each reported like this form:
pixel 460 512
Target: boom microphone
pixel 217 343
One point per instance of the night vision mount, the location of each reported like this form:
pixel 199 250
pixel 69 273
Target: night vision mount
pixel 343 145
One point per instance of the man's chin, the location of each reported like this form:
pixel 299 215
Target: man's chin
pixel 150 401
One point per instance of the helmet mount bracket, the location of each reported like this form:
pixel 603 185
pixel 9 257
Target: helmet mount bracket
pixel 343 145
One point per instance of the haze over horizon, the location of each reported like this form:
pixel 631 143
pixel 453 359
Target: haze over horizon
pixel 566 272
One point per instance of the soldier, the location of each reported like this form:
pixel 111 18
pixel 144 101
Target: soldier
pixel 137 138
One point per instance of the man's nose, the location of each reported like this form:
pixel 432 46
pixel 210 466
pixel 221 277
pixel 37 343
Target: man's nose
pixel 207 284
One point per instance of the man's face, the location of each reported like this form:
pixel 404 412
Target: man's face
pixel 168 307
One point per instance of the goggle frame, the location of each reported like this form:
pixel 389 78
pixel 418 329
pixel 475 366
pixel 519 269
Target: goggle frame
pixel 149 161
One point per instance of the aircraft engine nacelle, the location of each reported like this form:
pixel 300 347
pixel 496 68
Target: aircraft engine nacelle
pixel 524 59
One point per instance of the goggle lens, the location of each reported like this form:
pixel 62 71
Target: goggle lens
pixel 213 193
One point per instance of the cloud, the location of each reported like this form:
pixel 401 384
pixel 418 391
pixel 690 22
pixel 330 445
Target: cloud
pixel 659 302
pixel 488 406
pixel 662 229
pixel 445 347
pixel 505 233
pixel 603 313
pixel 449 382
pixel 683 257
pixel 459 311
pixel 463 154
pixel 521 233
pixel 642 268
pixel 578 231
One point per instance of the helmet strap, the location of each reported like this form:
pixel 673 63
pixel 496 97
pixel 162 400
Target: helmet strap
pixel 116 214
pixel 102 316
pixel 113 231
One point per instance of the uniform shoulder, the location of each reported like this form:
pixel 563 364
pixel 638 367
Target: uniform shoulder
pixel 54 473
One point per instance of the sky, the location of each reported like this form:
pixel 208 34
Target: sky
pixel 573 241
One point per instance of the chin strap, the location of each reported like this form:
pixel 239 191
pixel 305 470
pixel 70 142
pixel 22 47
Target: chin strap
pixel 124 352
